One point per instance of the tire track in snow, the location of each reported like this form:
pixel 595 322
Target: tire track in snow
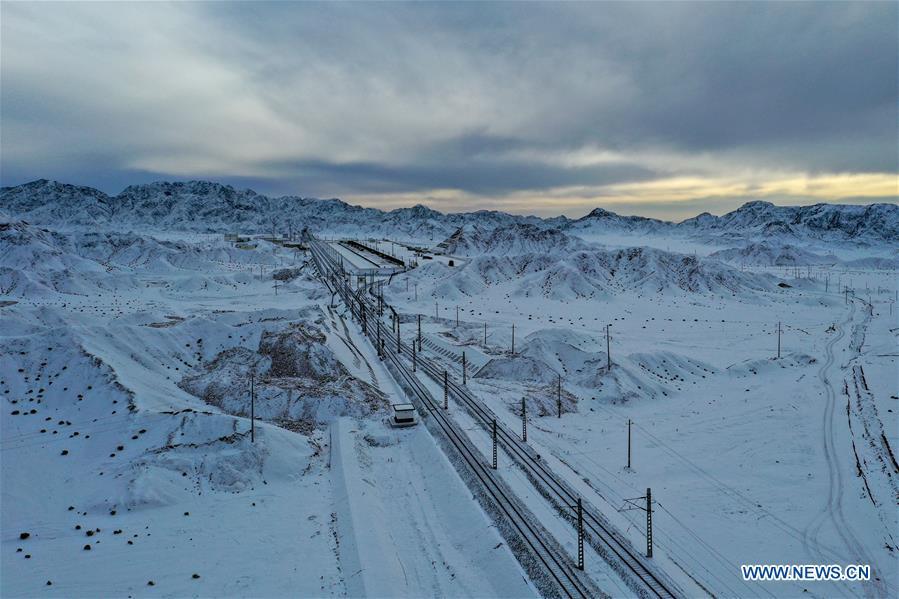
pixel 833 507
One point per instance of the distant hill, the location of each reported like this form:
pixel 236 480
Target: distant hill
pixel 214 207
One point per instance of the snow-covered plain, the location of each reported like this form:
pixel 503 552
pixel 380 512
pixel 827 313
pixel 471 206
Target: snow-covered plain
pixel 103 446
pixel 130 330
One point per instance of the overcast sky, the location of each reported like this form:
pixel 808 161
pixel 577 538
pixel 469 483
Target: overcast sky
pixel 658 109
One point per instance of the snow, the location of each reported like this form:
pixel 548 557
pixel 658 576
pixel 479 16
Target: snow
pixel 133 355
pixel 128 321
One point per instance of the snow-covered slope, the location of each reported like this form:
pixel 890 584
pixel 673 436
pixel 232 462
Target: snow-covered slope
pixel 209 206
pixel 820 221
pixel 766 253
pixel 585 273
pixel 599 220
pixel 517 238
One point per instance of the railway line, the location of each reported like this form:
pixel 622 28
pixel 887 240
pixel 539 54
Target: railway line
pixel 599 533
pixel 547 556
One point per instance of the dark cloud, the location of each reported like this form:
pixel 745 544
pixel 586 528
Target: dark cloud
pixel 486 99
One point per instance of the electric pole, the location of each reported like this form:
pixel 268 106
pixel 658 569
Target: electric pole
pixel 445 391
pixel 513 338
pixel 524 422
pixel 253 405
pixel 608 349
pixel 628 443
pixel 413 355
pixel 457 317
pixel 419 332
pixel 778 340
pixel 494 443
pixel 580 535
pixel 648 522
pixel 559 396
pixel 464 376
pixel 485 334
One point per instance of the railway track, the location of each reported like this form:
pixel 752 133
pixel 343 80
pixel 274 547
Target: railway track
pixel 601 535
pixel 547 555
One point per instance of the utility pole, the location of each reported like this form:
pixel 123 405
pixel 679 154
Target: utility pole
pixel 413 355
pixel 436 310
pixel 494 443
pixel 580 535
pixel 457 317
pixel 464 376
pixel 628 443
pixel 648 522
pixel 608 349
pixel 399 348
pixel 513 338
pixel 419 332
pixel 445 391
pixel 253 405
pixel 559 396
pixel 631 505
pixel 485 334
pixel 524 422
pixel 778 340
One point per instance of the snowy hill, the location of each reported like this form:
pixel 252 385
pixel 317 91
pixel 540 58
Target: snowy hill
pixel 821 221
pixel 770 254
pixel 209 206
pixel 603 220
pixel 35 261
pixel 585 273
pixel 517 238
pixel 50 202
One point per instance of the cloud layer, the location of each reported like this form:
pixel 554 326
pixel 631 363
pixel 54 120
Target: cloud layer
pixel 539 108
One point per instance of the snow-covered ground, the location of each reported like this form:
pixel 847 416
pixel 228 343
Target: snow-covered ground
pixel 129 355
pixel 103 446
pixel 750 458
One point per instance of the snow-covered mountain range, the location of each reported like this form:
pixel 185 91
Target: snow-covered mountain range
pixel 209 206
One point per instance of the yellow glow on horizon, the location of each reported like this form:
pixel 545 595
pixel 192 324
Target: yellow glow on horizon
pixel 671 190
